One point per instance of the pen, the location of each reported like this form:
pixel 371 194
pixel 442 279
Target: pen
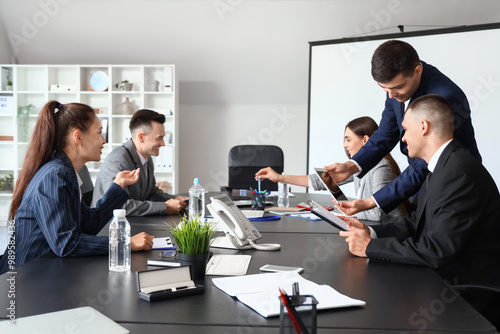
pixel 169 290
pixel 265 218
pixel 258 182
pixel 159 292
pixel 292 313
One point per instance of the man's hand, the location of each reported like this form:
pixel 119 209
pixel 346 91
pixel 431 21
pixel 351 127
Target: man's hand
pixel 341 171
pixel 175 205
pixel 355 206
pixel 357 237
pixel 267 173
pixel 127 178
pixel 141 242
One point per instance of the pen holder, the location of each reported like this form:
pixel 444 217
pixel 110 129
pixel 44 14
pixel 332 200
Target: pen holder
pixel 306 311
pixel 258 200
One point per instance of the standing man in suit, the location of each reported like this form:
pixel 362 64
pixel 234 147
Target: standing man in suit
pixel 397 69
pixel 456 226
pixel 148 130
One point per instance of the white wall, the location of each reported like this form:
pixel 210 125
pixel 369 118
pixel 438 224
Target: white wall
pixel 242 64
pixel 4 45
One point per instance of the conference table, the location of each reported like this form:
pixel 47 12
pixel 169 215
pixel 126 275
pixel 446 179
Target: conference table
pixel 399 298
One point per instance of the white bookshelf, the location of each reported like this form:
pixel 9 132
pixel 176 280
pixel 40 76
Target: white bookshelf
pixel 153 87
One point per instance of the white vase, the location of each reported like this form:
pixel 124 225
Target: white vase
pixel 127 107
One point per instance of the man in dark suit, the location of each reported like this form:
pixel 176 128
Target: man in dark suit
pixel 398 70
pixel 456 226
pixel 147 130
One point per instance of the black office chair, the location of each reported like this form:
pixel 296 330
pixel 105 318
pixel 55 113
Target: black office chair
pixel 246 160
pixel 87 187
pixel 486 300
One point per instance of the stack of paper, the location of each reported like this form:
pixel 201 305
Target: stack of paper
pixel 83 320
pixel 260 291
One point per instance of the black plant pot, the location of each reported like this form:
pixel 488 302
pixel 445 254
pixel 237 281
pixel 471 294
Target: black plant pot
pixel 198 263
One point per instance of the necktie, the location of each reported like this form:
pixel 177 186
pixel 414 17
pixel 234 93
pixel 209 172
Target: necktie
pixel 427 178
pixel 145 169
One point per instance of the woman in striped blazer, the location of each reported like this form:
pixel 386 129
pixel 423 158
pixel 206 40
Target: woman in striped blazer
pixel 47 204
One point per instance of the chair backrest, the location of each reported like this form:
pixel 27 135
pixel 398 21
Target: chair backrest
pixel 246 160
pixel 485 299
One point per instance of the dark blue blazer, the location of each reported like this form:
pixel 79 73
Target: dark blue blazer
pixel 52 217
pixel 390 132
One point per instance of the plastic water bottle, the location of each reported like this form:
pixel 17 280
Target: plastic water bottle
pixel 119 242
pixel 283 200
pixel 196 199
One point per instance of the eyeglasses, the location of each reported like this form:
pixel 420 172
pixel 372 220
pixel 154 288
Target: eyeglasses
pixel 171 253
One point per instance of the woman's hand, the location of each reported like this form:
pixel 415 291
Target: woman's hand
pixel 141 242
pixel 126 178
pixel 267 173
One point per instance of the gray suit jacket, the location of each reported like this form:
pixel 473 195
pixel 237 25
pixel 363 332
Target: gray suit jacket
pixel 378 177
pixel 145 197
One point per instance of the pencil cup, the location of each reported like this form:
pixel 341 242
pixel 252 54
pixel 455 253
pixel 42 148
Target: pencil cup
pixel 306 313
pixel 258 200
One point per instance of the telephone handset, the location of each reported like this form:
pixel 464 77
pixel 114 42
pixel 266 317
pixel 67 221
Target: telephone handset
pixel 239 230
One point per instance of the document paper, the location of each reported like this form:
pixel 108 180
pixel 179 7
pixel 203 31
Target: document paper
pixel 260 291
pixel 83 320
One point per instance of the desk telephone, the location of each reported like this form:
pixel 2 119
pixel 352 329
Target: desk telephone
pixel 239 230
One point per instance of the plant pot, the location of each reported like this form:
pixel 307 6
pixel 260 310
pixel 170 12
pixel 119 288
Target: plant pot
pixel 198 263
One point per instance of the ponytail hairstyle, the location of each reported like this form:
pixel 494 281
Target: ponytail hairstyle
pixel 366 126
pixel 50 134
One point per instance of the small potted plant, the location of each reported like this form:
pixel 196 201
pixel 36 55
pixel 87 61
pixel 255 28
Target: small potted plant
pixel 193 238
pixel 9 85
pixel 7 183
pixel 124 85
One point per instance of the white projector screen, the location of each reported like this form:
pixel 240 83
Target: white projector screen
pixel 341 88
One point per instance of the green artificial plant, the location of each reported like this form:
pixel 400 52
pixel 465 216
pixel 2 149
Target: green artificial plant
pixel 192 235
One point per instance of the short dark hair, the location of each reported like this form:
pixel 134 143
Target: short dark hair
pixel 143 118
pixel 437 111
pixel 392 58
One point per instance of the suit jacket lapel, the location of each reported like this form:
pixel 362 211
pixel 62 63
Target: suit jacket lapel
pixel 423 195
pixel 129 146
pixel 427 186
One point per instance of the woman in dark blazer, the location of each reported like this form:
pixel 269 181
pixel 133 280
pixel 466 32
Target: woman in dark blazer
pixel 47 204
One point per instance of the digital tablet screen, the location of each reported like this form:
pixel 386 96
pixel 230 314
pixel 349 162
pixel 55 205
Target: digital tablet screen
pixel 327 216
pixel 330 184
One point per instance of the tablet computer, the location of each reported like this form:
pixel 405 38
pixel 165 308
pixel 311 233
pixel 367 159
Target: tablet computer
pixel 330 184
pixel 327 216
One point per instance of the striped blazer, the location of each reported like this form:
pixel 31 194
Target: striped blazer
pixel 52 217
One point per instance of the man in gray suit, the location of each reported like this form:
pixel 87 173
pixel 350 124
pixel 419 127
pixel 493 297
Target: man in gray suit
pixel 148 130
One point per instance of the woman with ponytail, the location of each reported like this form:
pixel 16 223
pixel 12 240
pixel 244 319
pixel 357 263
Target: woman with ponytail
pixel 47 204
pixel 356 134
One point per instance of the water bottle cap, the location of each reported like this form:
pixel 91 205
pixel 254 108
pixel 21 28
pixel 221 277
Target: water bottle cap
pixel 196 180
pixel 119 213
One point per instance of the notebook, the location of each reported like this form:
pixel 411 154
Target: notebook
pixel 83 320
pixel 228 265
pixel 163 243
pixel 260 291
